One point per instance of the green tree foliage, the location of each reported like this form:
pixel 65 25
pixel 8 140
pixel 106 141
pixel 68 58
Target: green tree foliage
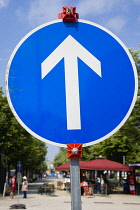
pixel 15 143
pixel 126 142
pixel 42 167
pixel 61 157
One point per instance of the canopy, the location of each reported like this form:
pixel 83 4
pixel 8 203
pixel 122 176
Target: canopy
pixel 66 166
pixel 101 163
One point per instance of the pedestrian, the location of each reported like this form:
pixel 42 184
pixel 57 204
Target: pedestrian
pixel 13 186
pixel 40 176
pixel 24 187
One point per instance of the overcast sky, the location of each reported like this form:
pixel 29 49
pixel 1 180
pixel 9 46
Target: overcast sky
pixel 17 18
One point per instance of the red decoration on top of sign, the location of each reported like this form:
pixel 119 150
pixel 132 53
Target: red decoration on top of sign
pixel 68 14
pixel 74 151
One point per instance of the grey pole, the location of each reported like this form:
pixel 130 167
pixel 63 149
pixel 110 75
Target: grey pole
pixel 75 184
pixel 18 192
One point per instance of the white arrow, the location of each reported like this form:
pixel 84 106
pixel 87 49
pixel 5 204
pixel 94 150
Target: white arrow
pixel 70 49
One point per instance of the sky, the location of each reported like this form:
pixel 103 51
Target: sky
pixel 17 18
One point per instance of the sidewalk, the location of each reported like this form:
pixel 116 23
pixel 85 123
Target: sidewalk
pixel 61 200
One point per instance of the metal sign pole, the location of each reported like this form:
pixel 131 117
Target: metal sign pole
pixel 75 185
pixel 19 169
pixel 74 154
pixel 18 193
pixel 18 180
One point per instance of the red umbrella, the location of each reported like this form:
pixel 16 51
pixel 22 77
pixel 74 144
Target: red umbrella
pixel 101 163
pixel 66 166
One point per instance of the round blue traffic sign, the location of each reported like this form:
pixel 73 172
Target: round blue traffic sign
pixel 70 83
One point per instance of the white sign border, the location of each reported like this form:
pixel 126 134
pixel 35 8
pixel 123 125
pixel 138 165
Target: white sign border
pixel 91 142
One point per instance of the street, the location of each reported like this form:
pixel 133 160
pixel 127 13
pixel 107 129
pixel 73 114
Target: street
pixel 61 200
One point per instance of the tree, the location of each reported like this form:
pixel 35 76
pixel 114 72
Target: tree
pixel 61 157
pixel 42 167
pixel 126 142
pixel 15 143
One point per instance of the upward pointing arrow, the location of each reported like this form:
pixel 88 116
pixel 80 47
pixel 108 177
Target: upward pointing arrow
pixel 70 49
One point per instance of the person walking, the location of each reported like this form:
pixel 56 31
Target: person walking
pixel 13 187
pixel 24 187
